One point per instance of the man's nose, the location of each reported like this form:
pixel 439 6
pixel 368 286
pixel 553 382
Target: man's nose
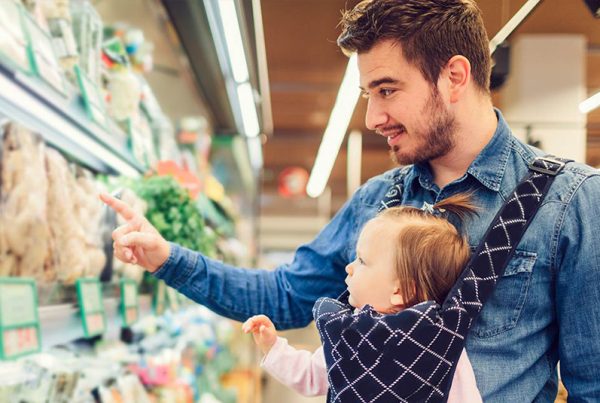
pixel 375 116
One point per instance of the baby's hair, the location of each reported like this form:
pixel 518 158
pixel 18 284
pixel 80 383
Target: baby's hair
pixel 430 252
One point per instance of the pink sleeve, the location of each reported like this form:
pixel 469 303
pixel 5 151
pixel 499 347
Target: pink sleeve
pixel 464 387
pixel 301 370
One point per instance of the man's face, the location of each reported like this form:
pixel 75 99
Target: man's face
pixel 404 107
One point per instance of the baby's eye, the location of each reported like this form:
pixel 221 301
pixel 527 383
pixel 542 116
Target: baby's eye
pixel 360 260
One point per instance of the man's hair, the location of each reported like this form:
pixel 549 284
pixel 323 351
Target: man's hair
pixel 430 32
pixel 430 252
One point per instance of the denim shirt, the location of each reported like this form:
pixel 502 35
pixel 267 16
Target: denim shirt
pixel 546 307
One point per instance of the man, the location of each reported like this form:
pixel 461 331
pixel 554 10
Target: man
pixel 424 68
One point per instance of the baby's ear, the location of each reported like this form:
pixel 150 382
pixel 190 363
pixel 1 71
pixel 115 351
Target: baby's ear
pixel 396 298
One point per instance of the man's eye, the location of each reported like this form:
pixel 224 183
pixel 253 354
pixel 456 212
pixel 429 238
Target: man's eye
pixel 386 92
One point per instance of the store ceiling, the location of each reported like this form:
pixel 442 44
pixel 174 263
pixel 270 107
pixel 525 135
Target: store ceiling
pixel 306 67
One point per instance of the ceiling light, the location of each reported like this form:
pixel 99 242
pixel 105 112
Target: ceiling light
pixel 225 28
pixel 233 40
pixel 590 104
pixel 336 129
pixel 513 23
pixel 248 109
pixel 255 152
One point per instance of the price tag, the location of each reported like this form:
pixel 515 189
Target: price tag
pixel 129 302
pixel 19 322
pixel 91 306
pixel 159 298
pixel 173 299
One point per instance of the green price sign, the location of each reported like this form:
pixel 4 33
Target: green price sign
pixel 19 322
pixel 129 302
pixel 159 298
pixel 91 306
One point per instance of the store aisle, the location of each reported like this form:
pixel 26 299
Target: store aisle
pixel 275 392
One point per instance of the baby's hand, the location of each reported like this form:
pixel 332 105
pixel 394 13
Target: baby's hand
pixel 263 331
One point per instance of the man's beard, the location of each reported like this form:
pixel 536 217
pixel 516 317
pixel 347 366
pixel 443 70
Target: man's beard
pixel 436 140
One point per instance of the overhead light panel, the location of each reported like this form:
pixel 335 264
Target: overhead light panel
pixel 336 129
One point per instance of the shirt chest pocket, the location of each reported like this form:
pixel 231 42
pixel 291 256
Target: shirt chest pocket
pixel 502 311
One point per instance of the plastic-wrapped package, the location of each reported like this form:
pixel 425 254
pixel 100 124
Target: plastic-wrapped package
pixel 24 233
pixel 89 211
pixel 125 91
pixel 13 376
pixel 87 28
pixel 58 16
pixel 68 237
pixel 13 41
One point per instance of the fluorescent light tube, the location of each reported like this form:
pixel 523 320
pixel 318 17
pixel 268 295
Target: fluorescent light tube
pixel 248 109
pixel 233 40
pixel 255 152
pixel 513 23
pixel 590 104
pixel 336 129
pixel 353 161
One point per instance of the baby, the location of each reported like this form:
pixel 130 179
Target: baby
pixel 404 256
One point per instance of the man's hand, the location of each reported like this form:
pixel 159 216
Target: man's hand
pixel 263 331
pixel 137 241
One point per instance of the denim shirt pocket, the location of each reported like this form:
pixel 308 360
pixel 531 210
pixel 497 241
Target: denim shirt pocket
pixel 502 311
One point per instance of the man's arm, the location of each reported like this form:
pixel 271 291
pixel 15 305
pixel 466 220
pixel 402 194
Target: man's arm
pixel 578 294
pixel 286 295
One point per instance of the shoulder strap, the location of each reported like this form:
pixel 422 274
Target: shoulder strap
pixel 500 241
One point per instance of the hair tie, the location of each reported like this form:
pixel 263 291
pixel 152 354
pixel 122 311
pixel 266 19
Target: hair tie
pixel 434 211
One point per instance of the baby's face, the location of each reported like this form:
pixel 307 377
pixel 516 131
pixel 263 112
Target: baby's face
pixel 372 278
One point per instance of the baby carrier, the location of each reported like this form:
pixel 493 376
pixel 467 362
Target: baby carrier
pixel 411 356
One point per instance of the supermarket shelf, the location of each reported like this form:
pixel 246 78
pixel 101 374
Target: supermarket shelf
pixel 61 324
pixel 63 123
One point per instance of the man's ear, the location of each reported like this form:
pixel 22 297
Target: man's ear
pixel 458 74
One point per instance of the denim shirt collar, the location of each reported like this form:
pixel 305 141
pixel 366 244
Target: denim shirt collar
pixel 489 166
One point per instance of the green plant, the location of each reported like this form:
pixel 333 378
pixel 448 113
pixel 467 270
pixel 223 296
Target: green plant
pixel 174 214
